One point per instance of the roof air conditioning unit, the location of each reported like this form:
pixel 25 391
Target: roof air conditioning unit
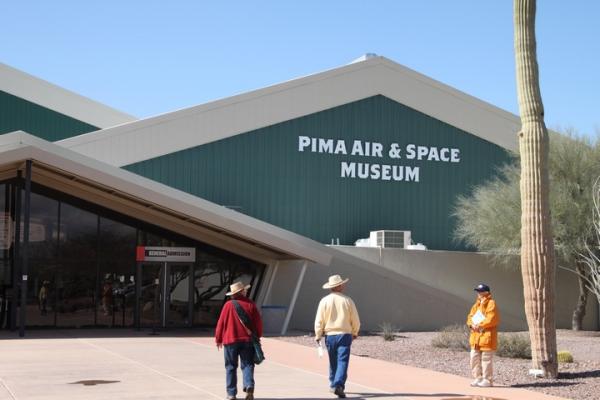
pixel 390 239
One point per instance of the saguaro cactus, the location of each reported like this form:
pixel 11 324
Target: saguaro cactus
pixel 537 246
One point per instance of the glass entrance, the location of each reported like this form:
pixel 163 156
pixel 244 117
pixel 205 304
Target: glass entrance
pixel 178 295
pixel 150 294
pixel 84 271
pixel 164 295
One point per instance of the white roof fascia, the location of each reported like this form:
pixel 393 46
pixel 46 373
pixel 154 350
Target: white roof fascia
pixel 45 94
pixel 190 127
pixel 451 106
pixel 238 224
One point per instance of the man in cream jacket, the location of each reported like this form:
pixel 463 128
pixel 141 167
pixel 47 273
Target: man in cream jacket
pixel 337 319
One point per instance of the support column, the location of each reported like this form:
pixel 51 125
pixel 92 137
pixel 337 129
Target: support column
pixel 16 256
pixel 25 263
pixel 267 297
pixel 165 290
pixel 288 317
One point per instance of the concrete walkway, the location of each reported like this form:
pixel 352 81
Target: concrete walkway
pixel 100 365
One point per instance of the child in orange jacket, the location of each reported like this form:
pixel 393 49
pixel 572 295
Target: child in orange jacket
pixel 483 322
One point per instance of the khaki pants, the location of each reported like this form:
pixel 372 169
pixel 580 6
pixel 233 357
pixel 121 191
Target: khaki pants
pixel 482 364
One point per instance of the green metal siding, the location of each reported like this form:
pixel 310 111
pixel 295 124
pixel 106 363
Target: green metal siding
pixel 19 114
pixel 262 173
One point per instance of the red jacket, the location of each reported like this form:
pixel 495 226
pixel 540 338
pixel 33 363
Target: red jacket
pixel 229 328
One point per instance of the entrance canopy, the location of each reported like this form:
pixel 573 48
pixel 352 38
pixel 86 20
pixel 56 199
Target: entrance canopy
pixel 147 200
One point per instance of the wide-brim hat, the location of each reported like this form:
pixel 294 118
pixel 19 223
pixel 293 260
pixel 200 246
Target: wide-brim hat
pixel 335 280
pixel 236 288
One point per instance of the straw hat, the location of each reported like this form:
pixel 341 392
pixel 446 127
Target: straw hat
pixel 335 280
pixel 236 287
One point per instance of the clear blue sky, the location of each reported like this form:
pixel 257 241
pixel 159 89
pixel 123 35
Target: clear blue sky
pixel 150 57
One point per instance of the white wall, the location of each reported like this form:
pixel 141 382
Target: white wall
pixel 419 290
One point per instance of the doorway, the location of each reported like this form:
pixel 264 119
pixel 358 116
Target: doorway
pixel 164 295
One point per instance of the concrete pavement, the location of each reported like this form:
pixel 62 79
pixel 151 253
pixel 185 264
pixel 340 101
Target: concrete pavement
pixel 100 365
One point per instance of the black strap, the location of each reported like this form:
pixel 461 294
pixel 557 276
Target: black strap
pixel 243 316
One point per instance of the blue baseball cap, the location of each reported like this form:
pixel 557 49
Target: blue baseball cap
pixel 482 287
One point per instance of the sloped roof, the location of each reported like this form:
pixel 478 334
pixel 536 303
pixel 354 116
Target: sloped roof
pixel 150 201
pixel 55 98
pixel 190 127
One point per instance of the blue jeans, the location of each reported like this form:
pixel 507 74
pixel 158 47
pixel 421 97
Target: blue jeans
pixel 338 348
pixel 245 352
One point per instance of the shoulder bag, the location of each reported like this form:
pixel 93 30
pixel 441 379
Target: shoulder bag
pixel 259 356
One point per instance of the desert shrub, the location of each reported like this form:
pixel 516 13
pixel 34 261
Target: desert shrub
pixel 564 356
pixel 514 345
pixel 452 337
pixel 387 331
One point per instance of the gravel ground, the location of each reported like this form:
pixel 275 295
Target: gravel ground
pixel 578 380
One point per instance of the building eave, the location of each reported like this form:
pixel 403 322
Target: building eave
pixel 216 120
pixel 55 98
pixel 153 202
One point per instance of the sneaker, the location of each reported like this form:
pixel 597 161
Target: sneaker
pixel 331 390
pixel 485 383
pixel 339 392
pixel 249 393
pixel 476 382
pixel 230 398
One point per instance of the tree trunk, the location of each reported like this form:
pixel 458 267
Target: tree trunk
pixel 579 312
pixel 537 251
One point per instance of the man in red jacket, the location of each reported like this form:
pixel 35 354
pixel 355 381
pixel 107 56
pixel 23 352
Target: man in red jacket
pixel 236 338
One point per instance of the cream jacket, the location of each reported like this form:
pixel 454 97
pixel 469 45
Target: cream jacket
pixel 336 315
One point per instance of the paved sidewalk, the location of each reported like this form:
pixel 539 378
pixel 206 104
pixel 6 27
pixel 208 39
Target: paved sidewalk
pixel 133 365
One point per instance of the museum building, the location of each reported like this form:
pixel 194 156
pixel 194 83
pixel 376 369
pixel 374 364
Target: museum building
pixel 111 221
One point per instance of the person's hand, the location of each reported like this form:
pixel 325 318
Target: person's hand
pixel 318 340
pixel 354 337
pixel 219 346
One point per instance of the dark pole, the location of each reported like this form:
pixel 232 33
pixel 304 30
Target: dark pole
pixel 56 273
pixel 138 294
pixel 138 286
pixel 25 264
pixel 191 295
pixel 98 284
pixel 16 251
pixel 156 305
pixel 4 311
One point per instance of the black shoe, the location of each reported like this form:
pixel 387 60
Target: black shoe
pixel 249 393
pixel 339 392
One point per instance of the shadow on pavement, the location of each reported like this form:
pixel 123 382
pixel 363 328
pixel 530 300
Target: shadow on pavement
pixel 96 333
pixel 564 379
pixel 450 396
pixel 581 374
pixel 366 396
pixel 544 384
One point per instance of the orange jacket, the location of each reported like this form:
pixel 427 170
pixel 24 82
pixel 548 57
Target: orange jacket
pixel 486 339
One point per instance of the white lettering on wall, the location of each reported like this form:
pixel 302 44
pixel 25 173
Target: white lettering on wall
pixel 368 149
pixel 340 147
pixel 432 153
pixel 376 171
pixel 348 170
pixel 383 172
pixel 455 155
pixel 303 142
pixel 325 146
